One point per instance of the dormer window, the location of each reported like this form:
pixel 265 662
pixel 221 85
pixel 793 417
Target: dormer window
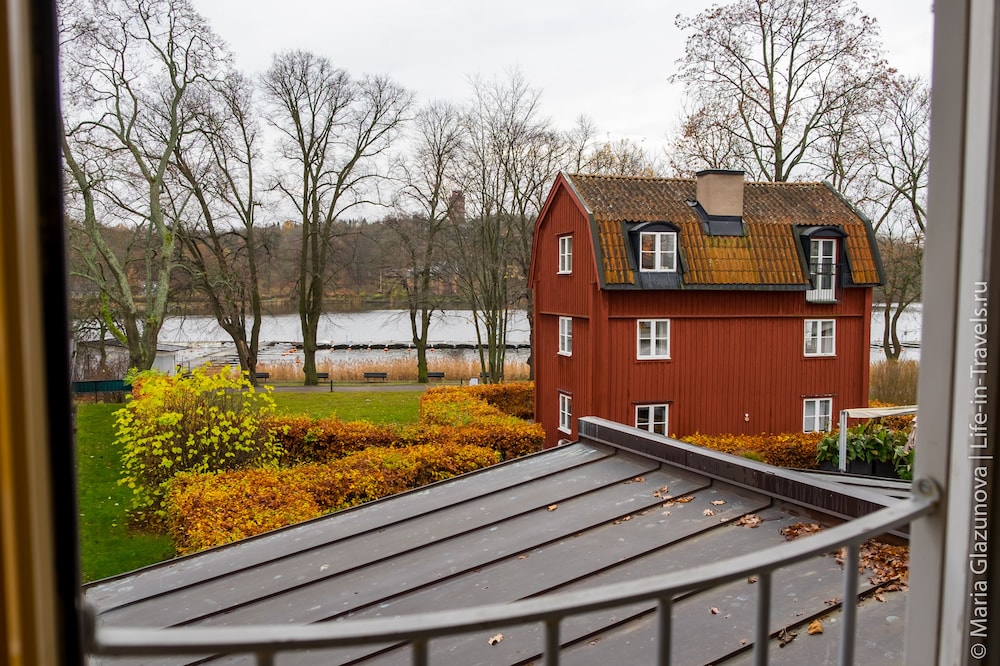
pixel 823 270
pixel 658 251
pixel 822 246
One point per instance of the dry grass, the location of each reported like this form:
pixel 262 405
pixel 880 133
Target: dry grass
pixel 894 382
pixel 397 369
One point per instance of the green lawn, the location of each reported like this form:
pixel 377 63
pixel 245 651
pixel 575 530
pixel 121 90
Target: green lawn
pixel 400 407
pixel 108 546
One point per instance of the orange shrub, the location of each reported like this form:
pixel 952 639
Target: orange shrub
pixel 514 398
pixel 212 509
pixel 304 439
pixel 796 449
pixel 205 510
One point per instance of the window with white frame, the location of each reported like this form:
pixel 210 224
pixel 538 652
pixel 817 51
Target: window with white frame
pixel 652 418
pixel 821 337
pixel 653 338
pixel 816 414
pixel 565 413
pixel 566 336
pixel 823 270
pixel 565 254
pixel 658 251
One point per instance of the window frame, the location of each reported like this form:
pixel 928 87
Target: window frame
pixel 651 421
pixel 565 336
pixel 652 338
pixel 817 414
pixel 565 413
pixel 818 338
pixel 565 263
pixel 824 282
pixel 658 252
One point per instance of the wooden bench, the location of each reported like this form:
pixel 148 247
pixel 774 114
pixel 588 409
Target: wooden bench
pixel 263 375
pixel 323 375
pixel 435 375
pixel 375 375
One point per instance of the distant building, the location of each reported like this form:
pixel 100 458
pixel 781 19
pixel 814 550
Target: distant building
pixel 707 304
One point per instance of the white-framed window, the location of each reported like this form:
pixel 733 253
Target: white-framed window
pixel 653 338
pixel 652 418
pixel 565 254
pixel 821 337
pixel 816 414
pixel 566 336
pixel 823 269
pixel 565 413
pixel 658 251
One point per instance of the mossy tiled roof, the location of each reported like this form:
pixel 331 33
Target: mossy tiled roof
pixel 766 256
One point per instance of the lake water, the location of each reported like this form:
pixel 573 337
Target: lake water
pixel 378 328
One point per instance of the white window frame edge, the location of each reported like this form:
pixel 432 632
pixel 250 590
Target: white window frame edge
pixel 817 399
pixel 651 405
pixel 569 428
pixel 656 253
pixel 559 267
pixel 819 338
pixel 563 352
pixel 652 340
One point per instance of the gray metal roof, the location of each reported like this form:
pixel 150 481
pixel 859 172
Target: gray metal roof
pixel 586 514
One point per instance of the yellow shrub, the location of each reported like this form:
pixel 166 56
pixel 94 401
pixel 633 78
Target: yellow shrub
pixel 797 449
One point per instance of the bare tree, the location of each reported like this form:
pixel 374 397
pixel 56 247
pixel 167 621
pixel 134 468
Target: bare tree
pixel 332 130
pixel 217 158
pixel 130 68
pixel 511 157
pixel 902 256
pixel 429 194
pixel 771 74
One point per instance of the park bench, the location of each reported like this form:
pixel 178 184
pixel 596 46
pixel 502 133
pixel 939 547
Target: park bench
pixel 435 375
pixel 375 375
pixel 263 375
pixel 116 387
pixel 323 375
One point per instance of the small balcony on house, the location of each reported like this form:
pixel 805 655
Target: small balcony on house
pixel 824 281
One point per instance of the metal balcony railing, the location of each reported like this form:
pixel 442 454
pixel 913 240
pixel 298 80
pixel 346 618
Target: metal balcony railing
pixel 416 630
pixel 824 279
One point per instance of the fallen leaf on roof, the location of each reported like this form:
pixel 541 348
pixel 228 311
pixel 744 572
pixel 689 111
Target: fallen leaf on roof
pixel 751 579
pixel 496 639
pixel 879 597
pixel 522 557
pixel 718 502
pixel 792 532
pixel 668 504
pixel 743 641
pixel 785 637
pixel 713 610
pixel 662 492
pixel 666 513
pixel 685 499
pixel 637 479
pixel 708 512
pixel 815 627
pixel 627 518
pixel 594 642
pixel 832 602
pixel 749 520
pixel 553 507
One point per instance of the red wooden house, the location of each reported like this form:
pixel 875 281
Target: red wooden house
pixel 708 305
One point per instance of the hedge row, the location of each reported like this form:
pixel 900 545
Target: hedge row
pixel 784 450
pixel 466 415
pixel 514 398
pixel 206 510
pixel 304 439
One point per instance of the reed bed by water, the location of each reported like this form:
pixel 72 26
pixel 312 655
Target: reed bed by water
pixel 397 369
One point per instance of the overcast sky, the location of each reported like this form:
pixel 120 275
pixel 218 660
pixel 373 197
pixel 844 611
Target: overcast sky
pixel 609 59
